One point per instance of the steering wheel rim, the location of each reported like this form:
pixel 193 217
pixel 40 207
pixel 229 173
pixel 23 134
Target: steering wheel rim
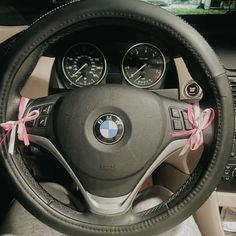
pixel 37 37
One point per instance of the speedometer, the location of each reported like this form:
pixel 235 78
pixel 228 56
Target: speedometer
pixel 84 64
pixel 143 65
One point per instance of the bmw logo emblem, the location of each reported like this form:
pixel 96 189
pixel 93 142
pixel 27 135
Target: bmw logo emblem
pixel 108 129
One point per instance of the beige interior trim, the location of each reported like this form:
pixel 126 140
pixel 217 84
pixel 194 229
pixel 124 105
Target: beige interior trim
pixel 208 217
pixel 38 83
pixel 184 76
pixel 7 32
pixel 187 162
pixel 226 199
pixel 170 177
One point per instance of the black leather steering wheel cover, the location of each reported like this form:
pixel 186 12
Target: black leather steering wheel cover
pixel 30 193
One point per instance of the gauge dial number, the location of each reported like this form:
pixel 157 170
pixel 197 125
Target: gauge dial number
pixel 143 65
pixel 83 65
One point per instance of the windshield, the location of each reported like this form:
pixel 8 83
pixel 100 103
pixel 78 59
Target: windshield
pixel 194 7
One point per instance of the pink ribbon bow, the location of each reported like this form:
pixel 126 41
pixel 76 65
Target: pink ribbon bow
pixel 199 122
pixel 11 126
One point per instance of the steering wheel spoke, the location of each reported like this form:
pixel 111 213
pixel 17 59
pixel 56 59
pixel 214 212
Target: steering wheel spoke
pixel 122 204
pixel 178 115
pixel 42 126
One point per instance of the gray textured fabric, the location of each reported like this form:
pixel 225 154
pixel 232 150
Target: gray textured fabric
pixel 186 228
pixel 21 222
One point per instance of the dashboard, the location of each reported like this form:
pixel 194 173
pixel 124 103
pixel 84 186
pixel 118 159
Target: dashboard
pixel 98 57
pixel 128 58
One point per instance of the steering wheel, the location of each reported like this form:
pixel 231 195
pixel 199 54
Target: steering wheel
pixel 109 171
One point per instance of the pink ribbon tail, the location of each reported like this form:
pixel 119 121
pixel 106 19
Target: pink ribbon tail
pixel 22 131
pixel 199 123
pixel 11 126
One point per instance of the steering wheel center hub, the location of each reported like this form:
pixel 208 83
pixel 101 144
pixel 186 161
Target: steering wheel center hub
pixel 109 131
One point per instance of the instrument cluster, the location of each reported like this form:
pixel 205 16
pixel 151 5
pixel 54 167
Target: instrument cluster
pixel 142 65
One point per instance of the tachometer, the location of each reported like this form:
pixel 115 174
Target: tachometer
pixel 84 64
pixel 143 65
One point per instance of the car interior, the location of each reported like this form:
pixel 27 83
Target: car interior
pixel 117 117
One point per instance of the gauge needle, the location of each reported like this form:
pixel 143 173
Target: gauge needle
pixel 81 68
pixel 138 70
pixel 138 78
pixel 79 78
